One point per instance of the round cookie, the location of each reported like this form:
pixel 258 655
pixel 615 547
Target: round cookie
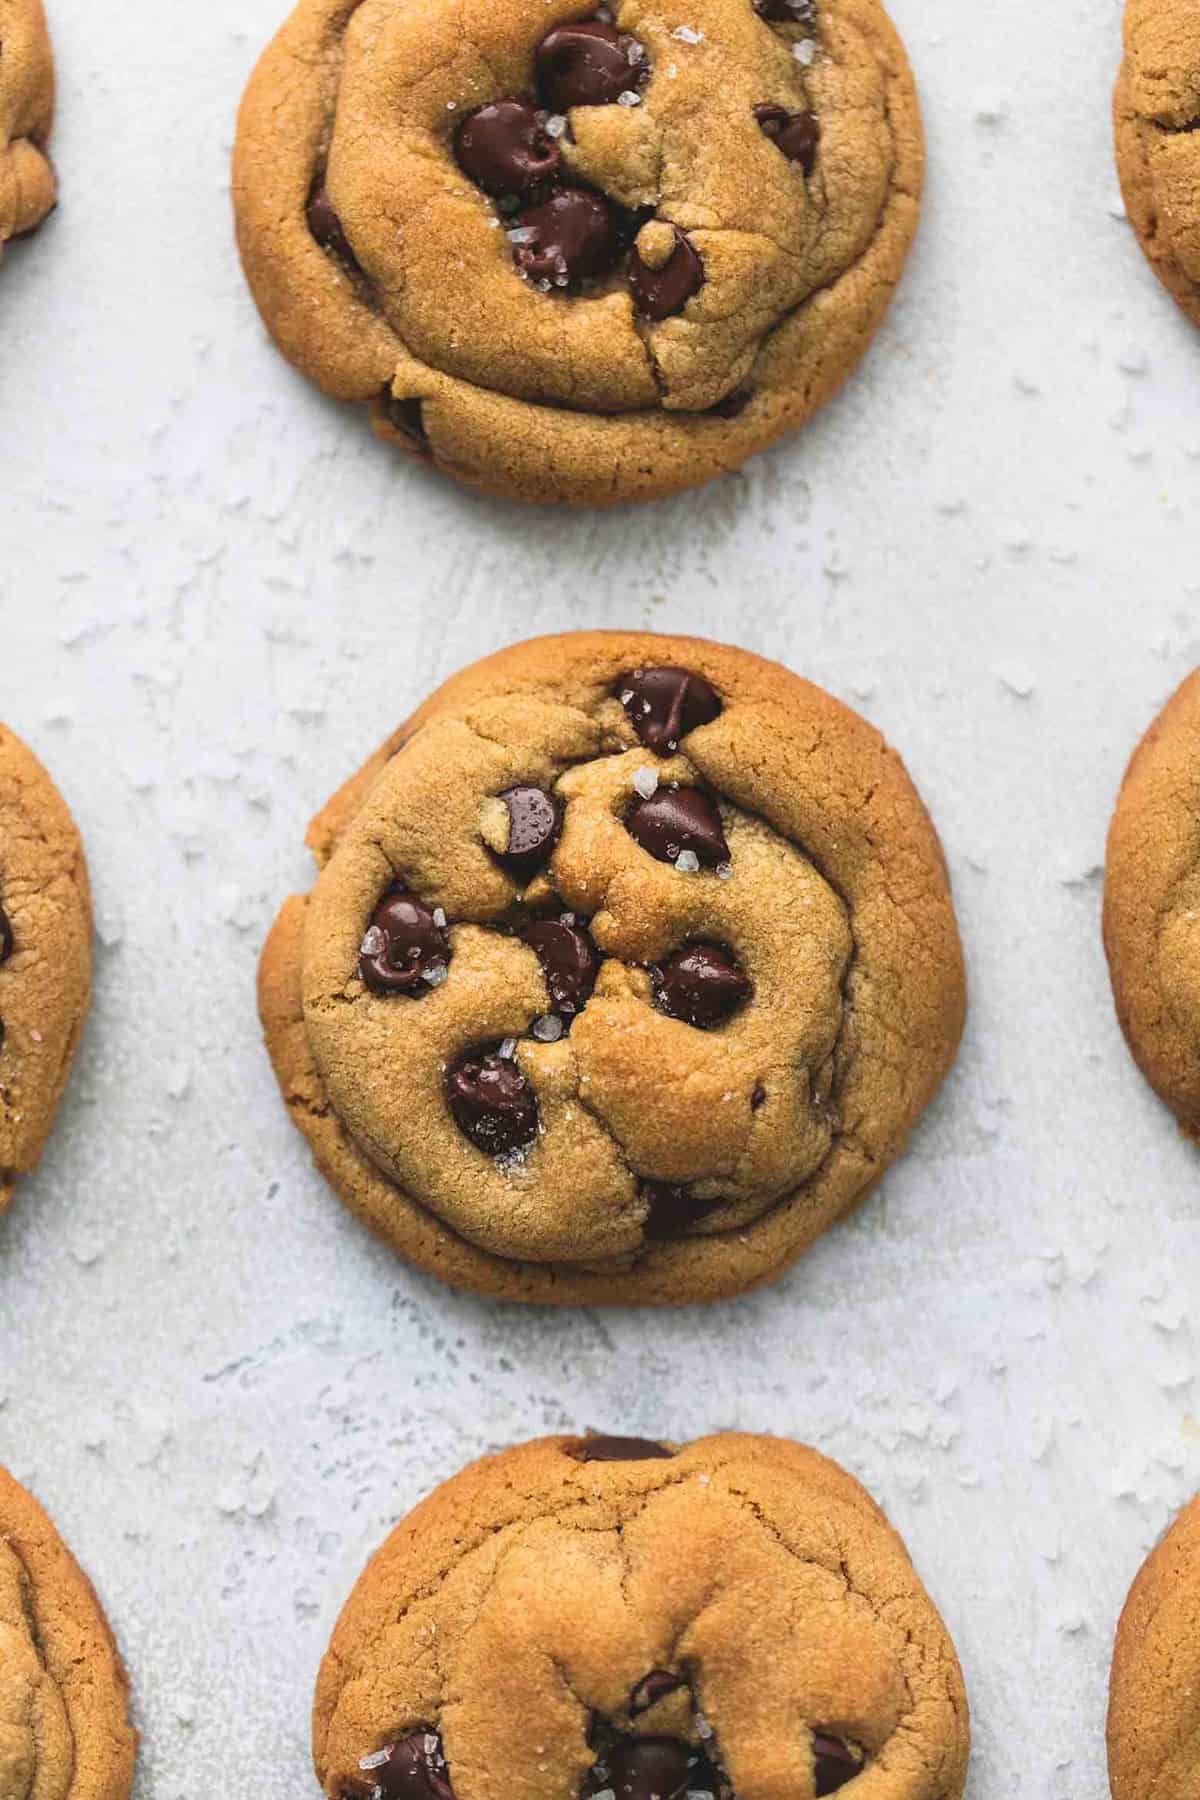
pixel 64 1697
pixel 45 955
pixel 27 185
pixel 1152 904
pixel 576 255
pixel 629 968
pixel 611 1616
pixel 1156 110
pixel 1154 1695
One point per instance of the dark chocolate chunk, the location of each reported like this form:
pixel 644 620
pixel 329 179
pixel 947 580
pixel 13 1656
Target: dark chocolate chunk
pixel 570 962
pixel 620 1449
pixel 651 1689
pixel 658 293
pixel 676 821
pixel 795 134
pixel 534 827
pixel 573 236
pixel 404 951
pixel 702 984
pixel 414 1768
pixel 834 1763
pixel 326 227
pixel 589 64
pixel 493 1103
pixel 663 705
pixel 505 149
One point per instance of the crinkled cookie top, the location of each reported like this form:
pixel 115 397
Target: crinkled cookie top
pixel 632 943
pixel 1154 1701
pixel 64 1729
pixel 615 1617
pixel 27 185
pixel 1157 117
pixel 608 213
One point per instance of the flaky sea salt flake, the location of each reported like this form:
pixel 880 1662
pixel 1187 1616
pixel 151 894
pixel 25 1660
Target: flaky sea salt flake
pixel 508 1049
pixel 376 1759
pixel 646 782
pixel 687 862
pixel 687 34
pixel 439 917
pixel 548 1029
pixel 555 125
pixel 522 234
pixel 629 98
pixel 805 51
pixel 374 943
pixel 724 871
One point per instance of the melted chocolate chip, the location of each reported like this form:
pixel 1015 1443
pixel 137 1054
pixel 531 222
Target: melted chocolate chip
pixel 834 1763
pixel 576 235
pixel 651 1689
pixel 570 962
pixel 534 827
pixel 657 293
pixel 589 64
pixel 493 1103
pixel 673 1209
pixel 652 1769
pixel 406 416
pixel 404 951
pixel 734 404
pixel 702 984
pixel 663 705
pixel 787 12
pixel 621 1449
pixel 326 226
pixel 505 149
pixel 676 820
pixel 415 1769
pixel 6 937
pixel 795 134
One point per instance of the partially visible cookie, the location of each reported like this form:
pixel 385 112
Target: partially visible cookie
pixel 45 955
pixel 630 966
pixel 1152 904
pixel 64 1697
pixel 573 255
pixel 618 1617
pixel 27 185
pixel 1154 1695
pixel 1156 115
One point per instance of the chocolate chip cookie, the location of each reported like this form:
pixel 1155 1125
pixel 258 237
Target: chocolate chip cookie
pixel 27 185
pixel 1152 904
pixel 581 255
pixel 1156 116
pixel 45 955
pixel 629 968
pixel 619 1619
pixel 1152 1711
pixel 64 1697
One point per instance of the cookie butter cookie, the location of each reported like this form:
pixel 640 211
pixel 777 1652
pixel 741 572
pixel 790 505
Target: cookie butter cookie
pixel 613 1617
pixel 630 965
pixel 572 254
pixel 64 1699
pixel 45 955
pixel 1154 1698
pixel 1152 904
pixel 1156 112
pixel 27 186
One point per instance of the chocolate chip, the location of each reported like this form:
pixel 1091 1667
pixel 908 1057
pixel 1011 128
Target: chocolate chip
pixel 834 1763
pixel 673 1209
pixel 702 984
pixel 6 937
pixel 663 705
pixel 505 149
pixel 406 416
pixel 680 821
pixel 576 234
pixel 570 962
pixel 493 1103
pixel 326 226
pixel 795 134
pixel 651 1689
pixel 404 951
pixel 589 64
pixel 657 293
pixel 652 1769
pixel 534 827
pixel 621 1449
pixel 414 1769
pixel 787 12
pixel 734 404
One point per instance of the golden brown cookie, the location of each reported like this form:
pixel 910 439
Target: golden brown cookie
pixel 574 254
pixel 1154 1697
pixel 27 185
pixel 64 1697
pixel 1156 114
pixel 615 1617
pixel 630 966
pixel 45 955
pixel 1152 904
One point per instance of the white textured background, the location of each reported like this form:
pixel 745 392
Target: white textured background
pixel 217 592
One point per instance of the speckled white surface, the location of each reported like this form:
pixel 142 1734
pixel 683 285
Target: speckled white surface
pixel 217 592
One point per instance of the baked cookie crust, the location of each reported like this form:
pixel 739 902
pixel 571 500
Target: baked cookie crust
pixel 577 1614
pixel 1151 902
pixel 386 273
pixel 1156 117
pixel 638 1150
pixel 27 184
pixel 64 1696
pixel 1154 1695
